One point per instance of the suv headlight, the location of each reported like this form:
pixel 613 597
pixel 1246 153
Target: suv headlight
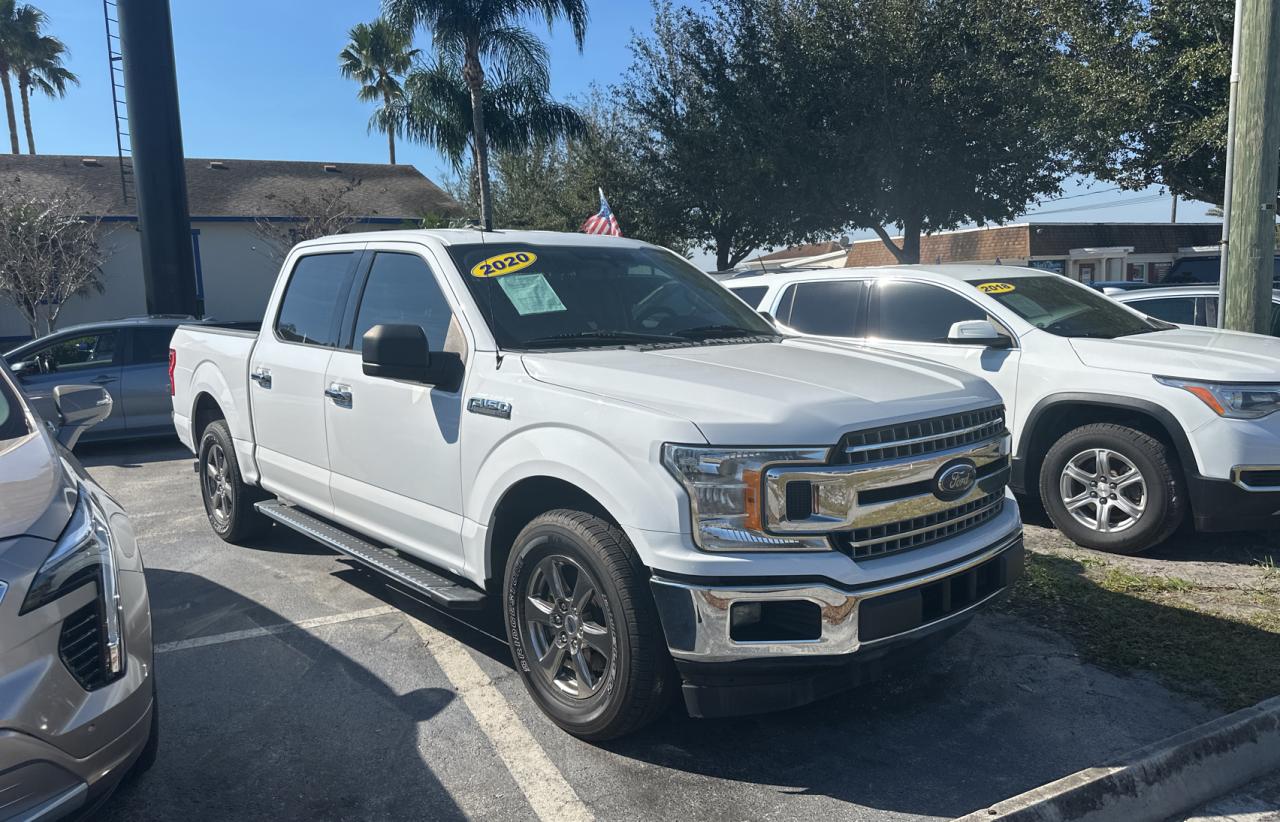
pixel 83 554
pixel 725 497
pixel 1240 401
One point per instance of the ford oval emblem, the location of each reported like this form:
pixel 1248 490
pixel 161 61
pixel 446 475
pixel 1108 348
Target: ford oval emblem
pixel 955 479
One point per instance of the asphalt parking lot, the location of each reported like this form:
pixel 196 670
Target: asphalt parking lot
pixel 294 685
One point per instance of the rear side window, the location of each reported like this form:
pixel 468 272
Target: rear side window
pixel 919 312
pixel 753 295
pixel 402 290
pixel 150 345
pixel 1170 309
pixel 829 309
pixel 316 288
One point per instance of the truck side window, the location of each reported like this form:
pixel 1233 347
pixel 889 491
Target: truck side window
pixel 753 295
pixel 402 290
pixel 829 309
pixel 920 312
pixel 316 288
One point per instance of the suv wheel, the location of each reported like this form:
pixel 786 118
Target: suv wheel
pixel 228 501
pixel 583 629
pixel 1112 488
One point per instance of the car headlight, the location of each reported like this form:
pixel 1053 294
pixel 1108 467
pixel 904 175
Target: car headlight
pixel 725 497
pixel 1241 401
pixel 84 554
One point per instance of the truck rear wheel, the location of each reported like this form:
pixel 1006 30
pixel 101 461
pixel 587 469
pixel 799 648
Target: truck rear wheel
pixel 228 501
pixel 584 632
pixel 1112 488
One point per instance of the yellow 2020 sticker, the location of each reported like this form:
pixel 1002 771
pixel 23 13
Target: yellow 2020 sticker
pixel 501 264
pixel 996 288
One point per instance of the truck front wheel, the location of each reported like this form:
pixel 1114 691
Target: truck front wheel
pixel 1112 488
pixel 584 632
pixel 228 501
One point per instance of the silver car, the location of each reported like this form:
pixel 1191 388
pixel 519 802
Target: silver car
pixel 77 695
pixel 1186 304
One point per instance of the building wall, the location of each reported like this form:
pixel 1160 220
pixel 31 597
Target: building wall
pixel 1005 243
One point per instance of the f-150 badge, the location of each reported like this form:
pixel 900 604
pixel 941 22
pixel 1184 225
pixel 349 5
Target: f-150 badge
pixel 489 408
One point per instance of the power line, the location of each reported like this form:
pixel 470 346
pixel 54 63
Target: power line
pixel 1085 194
pixel 1095 206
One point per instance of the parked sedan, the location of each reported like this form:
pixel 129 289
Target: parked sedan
pixel 1188 305
pixel 128 357
pixel 77 695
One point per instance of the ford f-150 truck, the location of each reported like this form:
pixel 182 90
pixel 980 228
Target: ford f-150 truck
pixel 655 486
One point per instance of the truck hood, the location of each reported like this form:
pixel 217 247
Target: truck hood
pixel 1187 352
pixel 797 392
pixel 38 493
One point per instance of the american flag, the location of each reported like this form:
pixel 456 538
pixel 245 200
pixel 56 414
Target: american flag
pixel 602 223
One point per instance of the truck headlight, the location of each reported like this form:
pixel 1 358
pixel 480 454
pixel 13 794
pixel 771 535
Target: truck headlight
pixel 1240 401
pixel 83 554
pixel 725 498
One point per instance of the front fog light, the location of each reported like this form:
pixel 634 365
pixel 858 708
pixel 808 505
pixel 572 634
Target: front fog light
pixel 725 498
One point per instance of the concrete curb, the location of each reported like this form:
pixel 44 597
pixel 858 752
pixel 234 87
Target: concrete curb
pixel 1163 779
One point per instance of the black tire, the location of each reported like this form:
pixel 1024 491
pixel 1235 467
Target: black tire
pixel 622 691
pixel 228 501
pixel 1157 495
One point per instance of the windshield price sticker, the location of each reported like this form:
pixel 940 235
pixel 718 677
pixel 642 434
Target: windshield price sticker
pixel 996 288
pixel 500 264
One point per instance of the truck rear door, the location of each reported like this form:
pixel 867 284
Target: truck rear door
pixel 287 374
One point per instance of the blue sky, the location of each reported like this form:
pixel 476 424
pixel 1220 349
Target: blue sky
pixel 259 80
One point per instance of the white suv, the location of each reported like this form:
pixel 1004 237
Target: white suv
pixel 1121 422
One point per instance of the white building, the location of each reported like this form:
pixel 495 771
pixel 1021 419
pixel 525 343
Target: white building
pixel 235 269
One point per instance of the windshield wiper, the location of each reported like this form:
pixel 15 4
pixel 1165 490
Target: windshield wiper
pixel 618 337
pixel 706 332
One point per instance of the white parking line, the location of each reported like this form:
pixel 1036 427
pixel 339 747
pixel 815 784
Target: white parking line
pixel 268 630
pixel 542 784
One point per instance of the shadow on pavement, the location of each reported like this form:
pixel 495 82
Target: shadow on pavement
pixel 282 726
pixel 131 453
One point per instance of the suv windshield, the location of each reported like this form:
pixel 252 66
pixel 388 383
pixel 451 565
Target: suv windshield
pixel 547 297
pixel 1059 306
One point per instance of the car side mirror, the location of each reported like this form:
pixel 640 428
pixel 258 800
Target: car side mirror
pixel 396 351
pixel 27 368
pixel 80 407
pixel 977 332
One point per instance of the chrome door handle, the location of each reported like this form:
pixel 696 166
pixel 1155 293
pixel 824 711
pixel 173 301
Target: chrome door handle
pixel 103 380
pixel 261 376
pixel 340 394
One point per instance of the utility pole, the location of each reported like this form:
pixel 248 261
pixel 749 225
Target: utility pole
pixel 1173 210
pixel 1250 211
pixel 160 177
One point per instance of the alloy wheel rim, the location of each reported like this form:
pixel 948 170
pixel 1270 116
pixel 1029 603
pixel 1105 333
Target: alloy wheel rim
pixel 217 486
pixel 1103 490
pixel 567 627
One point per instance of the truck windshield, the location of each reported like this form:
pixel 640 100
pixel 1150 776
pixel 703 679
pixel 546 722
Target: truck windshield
pixel 1054 304
pixel 547 297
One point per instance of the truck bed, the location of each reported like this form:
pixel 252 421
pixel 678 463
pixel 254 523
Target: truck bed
pixel 211 365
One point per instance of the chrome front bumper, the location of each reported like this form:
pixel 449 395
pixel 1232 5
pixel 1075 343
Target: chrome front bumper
pixel 698 619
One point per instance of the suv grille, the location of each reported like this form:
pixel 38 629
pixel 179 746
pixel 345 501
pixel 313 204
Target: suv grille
pixel 911 439
pixel 863 543
pixel 82 646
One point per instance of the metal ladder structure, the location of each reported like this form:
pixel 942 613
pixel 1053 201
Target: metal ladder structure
pixel 115 54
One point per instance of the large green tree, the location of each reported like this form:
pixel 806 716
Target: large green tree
pixel 1149 82
pixel 39 68
pixel 941 112
pixel 480 35
pixel 377 56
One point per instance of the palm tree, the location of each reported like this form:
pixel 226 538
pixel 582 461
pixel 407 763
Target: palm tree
pixel 517 111
pixel 377 56
pixel 19 26
pixel 469 33
pixel 39 68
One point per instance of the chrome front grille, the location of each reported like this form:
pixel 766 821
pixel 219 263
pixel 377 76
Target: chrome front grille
pixel 913 439
pixel 886 489
pixel 904 535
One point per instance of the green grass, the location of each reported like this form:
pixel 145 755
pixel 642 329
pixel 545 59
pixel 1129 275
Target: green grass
pixel 1220 647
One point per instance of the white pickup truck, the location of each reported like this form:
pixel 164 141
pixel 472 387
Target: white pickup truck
pixel 652 484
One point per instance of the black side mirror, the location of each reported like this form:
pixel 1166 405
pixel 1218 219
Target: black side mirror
pixel 401 352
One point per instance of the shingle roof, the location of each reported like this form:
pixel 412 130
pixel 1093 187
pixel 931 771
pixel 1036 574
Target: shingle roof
pixel 806 250
pixel 242 188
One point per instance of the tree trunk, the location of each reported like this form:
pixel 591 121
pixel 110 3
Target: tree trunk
pixel 909 252
pixel 391 132
pixel 473 73
pixel 8 110
pixel 722 256
pixel 24 91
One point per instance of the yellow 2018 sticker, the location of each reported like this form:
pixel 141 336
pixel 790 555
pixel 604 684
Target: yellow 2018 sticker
pixel 996 288
pixel 501 264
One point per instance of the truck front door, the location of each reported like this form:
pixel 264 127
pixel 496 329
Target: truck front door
pixel 287 377
pixel 393 444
